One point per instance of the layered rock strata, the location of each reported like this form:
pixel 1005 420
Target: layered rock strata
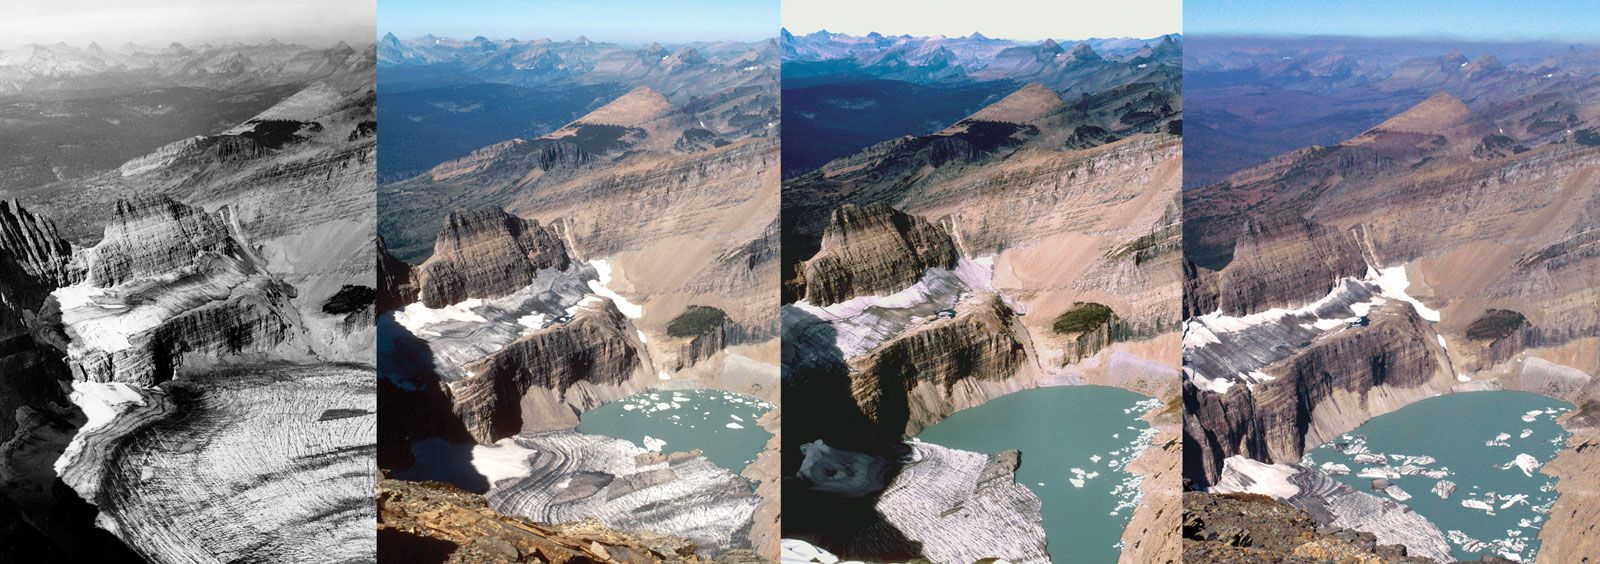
pixel 926 373
pixel 544 380
pixel 486 254
pixel 1245 395
pixel 34 260
pixel 873 249
pixel 169 283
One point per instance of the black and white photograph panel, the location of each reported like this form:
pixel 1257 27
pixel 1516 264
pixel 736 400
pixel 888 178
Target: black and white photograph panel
pixel 186 281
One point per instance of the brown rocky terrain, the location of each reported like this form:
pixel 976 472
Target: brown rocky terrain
pixel 871 250
pixel 926 275
pixel 1441 250
pixel 1257 528
pixel 631 250
pixel 486 254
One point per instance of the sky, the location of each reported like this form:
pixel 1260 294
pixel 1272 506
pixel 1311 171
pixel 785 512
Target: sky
pixel 1009 19
pixel 161 22
pixel 628 22
pixel 1490 20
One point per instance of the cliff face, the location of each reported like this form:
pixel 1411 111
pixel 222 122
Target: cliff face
pixel 34 260
pixel 169 283
pixel 485 254
pixel 395 285
pixel 1283 263
pixel 542 381
pixel 924 375
pixel 1276 410
pixel 874 249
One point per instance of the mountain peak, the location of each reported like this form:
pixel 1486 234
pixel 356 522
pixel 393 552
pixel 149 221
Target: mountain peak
pixel 1434 115
pixel 977 37
pixel 1083 52
pixel 1050 46
pixel 1027 104
pixel 686 56
pixel 639 106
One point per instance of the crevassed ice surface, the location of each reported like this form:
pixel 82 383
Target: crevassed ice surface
pixel 721 424
pixel 1076 442
pixel 1469 462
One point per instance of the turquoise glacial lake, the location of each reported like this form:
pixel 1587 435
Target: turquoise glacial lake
pixel 721 424
pixel 1487 446
pixel 1075 443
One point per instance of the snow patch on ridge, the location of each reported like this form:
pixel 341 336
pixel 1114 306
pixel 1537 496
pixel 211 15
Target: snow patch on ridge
pixel 602 269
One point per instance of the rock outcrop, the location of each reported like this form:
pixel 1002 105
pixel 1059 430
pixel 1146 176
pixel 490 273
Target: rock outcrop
pixel 543 380
pixel 1220 528
pixel 1332 504
pixel 1260 278
pixel 396 288
pixel 485 254
pixel 34 261
pixel 874 249
pixel 925 374
pixel 169 283
pixel 1277 406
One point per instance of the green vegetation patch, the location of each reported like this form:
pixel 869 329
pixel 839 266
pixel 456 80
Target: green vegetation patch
pixel 1495 324
pixel 695 321
pixel 1084 316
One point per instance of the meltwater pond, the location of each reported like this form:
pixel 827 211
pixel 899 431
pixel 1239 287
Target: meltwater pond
pixel 1075 443
pixel 1469 462
pixel 721 424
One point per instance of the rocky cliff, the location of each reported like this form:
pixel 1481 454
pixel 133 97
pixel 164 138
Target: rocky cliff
pixel 34 260
pixel 545 379
pixel 1278 406
pixel 1259 279
pixel 486 254
pixel 169 283
pixel 874 249
pixel 396 288
pixel 925 374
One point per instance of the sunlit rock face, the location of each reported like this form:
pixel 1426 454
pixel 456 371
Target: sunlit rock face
pixel 486 254
pixel 872 250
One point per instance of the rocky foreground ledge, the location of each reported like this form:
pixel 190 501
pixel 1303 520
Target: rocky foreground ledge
pixel 1244 527
pixel 436 522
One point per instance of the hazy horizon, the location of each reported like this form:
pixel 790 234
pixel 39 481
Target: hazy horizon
pixel 994 18
pixel 317 23
pixel 623 22
pixel 986 34
pixel 1457 20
